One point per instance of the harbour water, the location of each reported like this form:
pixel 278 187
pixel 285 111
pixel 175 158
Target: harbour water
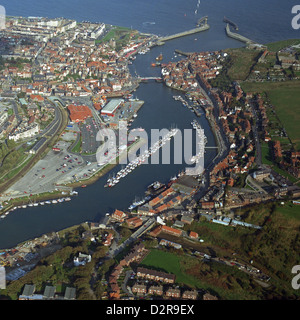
pixel 263 21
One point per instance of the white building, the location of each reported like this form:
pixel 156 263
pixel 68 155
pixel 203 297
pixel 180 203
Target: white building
pixel 82 259
pixel 98 31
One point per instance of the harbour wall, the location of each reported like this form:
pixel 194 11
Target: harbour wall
pixel 237 36
pixel 185 33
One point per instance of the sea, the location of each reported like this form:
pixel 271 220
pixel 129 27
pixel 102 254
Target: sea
pixel 262 21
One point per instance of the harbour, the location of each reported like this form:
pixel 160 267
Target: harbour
pixel 94 201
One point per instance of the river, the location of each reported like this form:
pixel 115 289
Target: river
pixel 263 22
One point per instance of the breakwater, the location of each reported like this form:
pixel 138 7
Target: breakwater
pixel 185 33
pixel 237 36
pixel 187 54
pixel 234 25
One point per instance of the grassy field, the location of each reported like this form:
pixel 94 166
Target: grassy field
pixel 170 263
pixel 221 280
pixel 120 34
pixel 290 210
pixel 241 62
pixel 276 46
pixel 285 97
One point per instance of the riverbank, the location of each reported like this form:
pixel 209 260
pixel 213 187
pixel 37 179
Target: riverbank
pixel 101 172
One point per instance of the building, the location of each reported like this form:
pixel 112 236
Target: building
pixel 136 254
pixel 111 107
pixel 155 275
pixel 49 292
pixel 145 210
pixel 172 231
pixel 119 215
pixel 190 295
pixel 167 243
pixel 38 146
pixel 207 205
pixel 98 31
pixel 79 113
pixel 173 293
pixel 187 219
pixel 156 290
pixel 108 239
pixel 208 296
pixel 175 232
pixel 70 293
pixel 82 259
pixel 134 222
pixel 139 288
pixel 178 224
pixel 261 174
pixel 193 235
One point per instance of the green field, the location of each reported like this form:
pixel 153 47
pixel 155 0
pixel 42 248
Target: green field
pixel 241 62
pixel 276 46
pixel 223 281
pixel 285 97
pixel 170 263
pixel 290 211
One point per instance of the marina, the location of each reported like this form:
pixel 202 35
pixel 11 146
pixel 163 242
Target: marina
pixel 202 140
pixel 141 159
pixel 36 204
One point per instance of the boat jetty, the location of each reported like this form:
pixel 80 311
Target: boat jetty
pixel 202 140
pixel 139 160
pixel 36 204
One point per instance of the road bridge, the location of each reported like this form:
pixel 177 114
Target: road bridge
pixel 149 78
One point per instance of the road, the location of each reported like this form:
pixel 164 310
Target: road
pixel 258 158
pixel 114 249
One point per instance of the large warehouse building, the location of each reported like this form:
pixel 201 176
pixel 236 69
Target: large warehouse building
pixel 79 113
pixel 111 107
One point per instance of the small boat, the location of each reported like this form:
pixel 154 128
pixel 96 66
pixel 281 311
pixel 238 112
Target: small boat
pixel 159 58
pixel 84 186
